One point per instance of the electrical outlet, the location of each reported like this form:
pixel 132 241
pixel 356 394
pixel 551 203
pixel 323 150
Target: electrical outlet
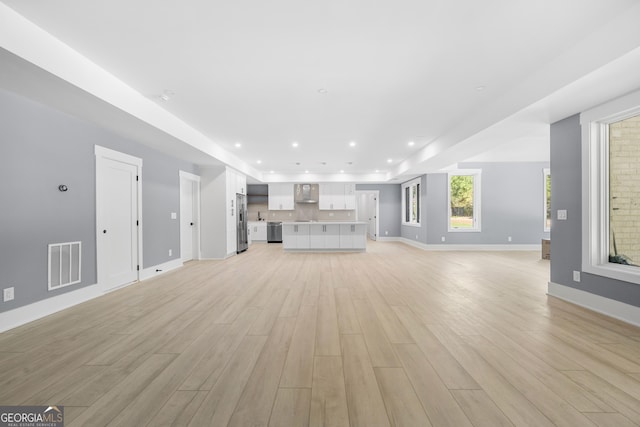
pixel 348 213
pixel 443 238
pixel 330 213
pixel 509 239
pixel 576 276
pixel 174 215
pixel 170 252
pixel 289 213
pixel 8 294
pixel 562 214
pixel 386 232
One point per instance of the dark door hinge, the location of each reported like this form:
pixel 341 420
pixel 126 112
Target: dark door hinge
pixel 137 268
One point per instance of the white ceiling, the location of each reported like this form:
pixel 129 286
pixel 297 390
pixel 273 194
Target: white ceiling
pixel 250 72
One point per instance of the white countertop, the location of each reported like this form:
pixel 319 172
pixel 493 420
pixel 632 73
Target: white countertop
pixel 322 222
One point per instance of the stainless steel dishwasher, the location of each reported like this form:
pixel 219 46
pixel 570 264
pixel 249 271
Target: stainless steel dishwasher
pixel 274 232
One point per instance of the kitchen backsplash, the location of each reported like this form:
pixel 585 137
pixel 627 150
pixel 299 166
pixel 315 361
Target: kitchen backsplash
pixel 302 213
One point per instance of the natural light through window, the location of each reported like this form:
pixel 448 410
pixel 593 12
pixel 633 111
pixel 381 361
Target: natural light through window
pixel 624 191
pixel 547 199
pixel 464 200
pixel 411 203
pixel 611 189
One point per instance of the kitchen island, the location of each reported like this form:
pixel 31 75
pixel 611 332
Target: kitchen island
pixel 325 236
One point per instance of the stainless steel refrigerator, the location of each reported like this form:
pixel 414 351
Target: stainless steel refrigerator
pixel 241 223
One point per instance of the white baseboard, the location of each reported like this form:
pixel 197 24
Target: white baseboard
pixel 28 313
pixel 388 239
pixel 466 247
pixel 37 310
pixel 150 272
pixel 612 308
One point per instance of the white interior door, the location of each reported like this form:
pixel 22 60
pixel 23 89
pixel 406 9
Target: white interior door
pixel 368 211
pixel 189 221
pixel 117 221
pixel 373 216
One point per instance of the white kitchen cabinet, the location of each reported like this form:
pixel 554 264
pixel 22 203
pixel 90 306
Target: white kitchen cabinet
pixel 241 183
pixel 350 196
pixel 337 196
pixel 281 197
pixel 232 242
pixel 353 236
pixel 258 231
pixel 324 236
pixel 295 236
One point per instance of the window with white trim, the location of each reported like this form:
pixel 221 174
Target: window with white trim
pixel 411 202
pixel 463 200
pixel 611 189
pixel 546 175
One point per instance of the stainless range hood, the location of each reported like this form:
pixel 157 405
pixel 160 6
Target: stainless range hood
pixel 306 193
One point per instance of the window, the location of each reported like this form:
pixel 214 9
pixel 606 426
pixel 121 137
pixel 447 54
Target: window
pixel 611 189
pixel 546 174
pixel 411 203
pixel 464 200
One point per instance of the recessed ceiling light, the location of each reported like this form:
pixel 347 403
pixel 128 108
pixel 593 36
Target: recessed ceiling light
pixel 306 171
pixel 238 145
pixel 259 161
pixel 294 144
pixel 411 143
pixel 352 144
pixel 389 160
pixel 377 170
pixel 341 170
pixel 272 172
pixel 322 90
pixel 480 88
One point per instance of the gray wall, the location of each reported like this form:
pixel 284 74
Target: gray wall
pixel 390 203
pixel 566 236
pixel 512 205
pixel 41 148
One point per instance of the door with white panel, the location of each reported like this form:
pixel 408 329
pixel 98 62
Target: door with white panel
pixel 189 216
pixel 368 210
pixel 117 219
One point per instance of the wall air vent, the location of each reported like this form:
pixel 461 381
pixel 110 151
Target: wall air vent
pixel 65 264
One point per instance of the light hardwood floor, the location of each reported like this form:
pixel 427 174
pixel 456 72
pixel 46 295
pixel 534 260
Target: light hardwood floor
pixel 394 336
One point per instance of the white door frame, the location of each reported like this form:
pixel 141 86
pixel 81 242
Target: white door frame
pixel 376 193
pixel 103 153
pixel 195 180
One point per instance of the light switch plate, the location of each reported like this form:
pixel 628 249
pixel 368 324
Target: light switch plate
pixel 174 215
pixel 562 214
pixel 576 276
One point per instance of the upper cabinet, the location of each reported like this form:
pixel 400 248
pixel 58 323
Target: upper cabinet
pixel 337 196
pixel 281 197
pixel 241 183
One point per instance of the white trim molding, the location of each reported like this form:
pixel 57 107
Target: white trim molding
pixel 467 247
pixel 612 308
pixel 37 310
pixel 595 187
pixel 159 269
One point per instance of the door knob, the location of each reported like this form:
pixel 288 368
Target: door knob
pixel 104 231
pixel 191 223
